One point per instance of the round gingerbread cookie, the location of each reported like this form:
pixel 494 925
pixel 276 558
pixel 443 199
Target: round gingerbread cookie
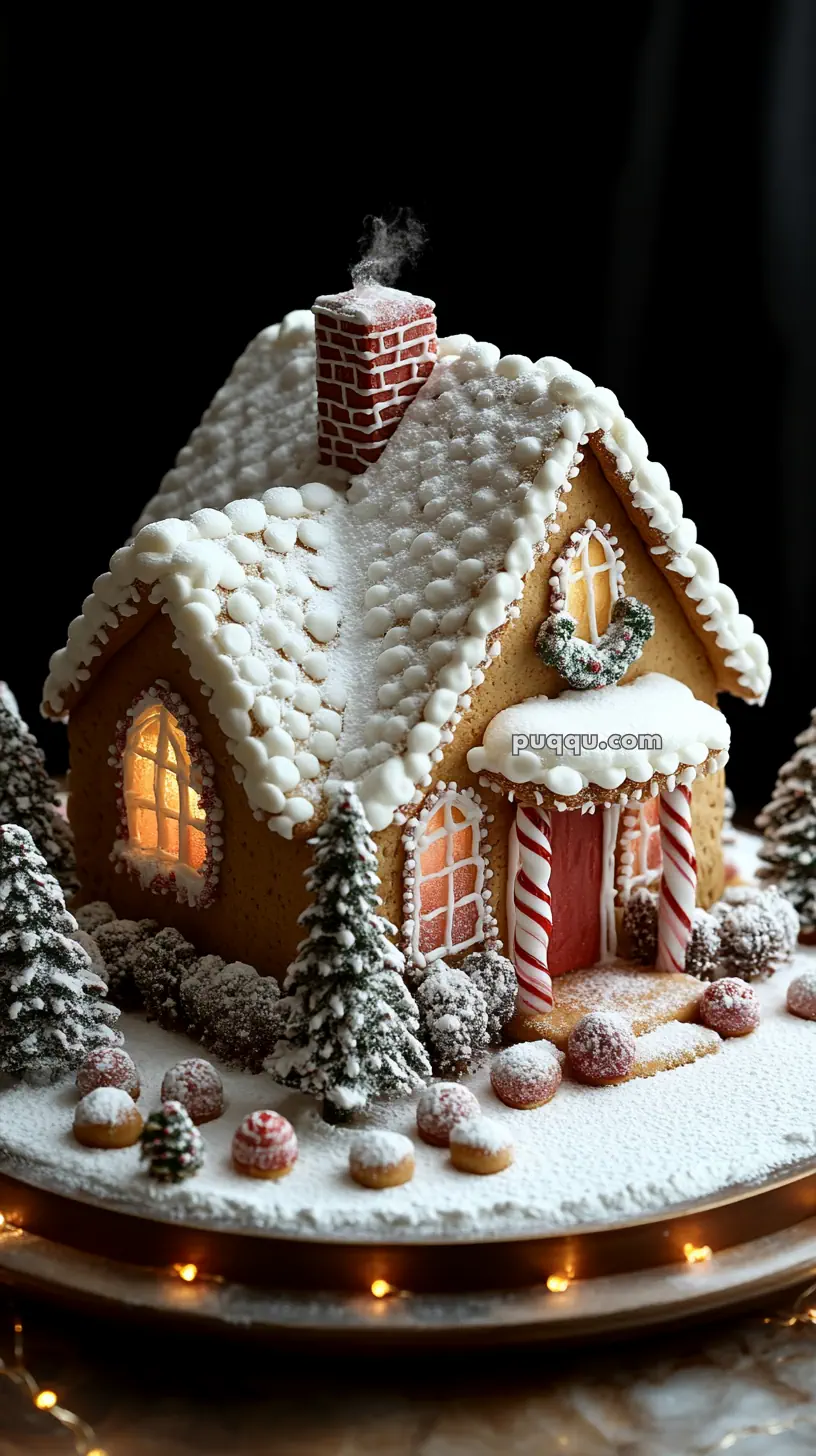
pixel 601 1048
pixel 197 1086
pixel 730 1006
pixel 380 1159
pixel 526 1075
pixel 107 1118
pixel 439 1107
pixel 265 1146
pixel 480 1145
pixel 108 1067
pixel 801 1000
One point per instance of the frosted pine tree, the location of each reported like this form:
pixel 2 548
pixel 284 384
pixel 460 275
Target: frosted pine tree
pixel 789 826
pixel 348 1023
pixel 28 797
pixel 53 1009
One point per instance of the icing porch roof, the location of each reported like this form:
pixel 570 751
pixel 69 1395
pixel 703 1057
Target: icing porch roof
pixel 693 738
pixel 412 573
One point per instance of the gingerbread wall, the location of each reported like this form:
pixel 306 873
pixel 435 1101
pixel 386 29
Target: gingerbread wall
pixel 519 673
pixel 260 891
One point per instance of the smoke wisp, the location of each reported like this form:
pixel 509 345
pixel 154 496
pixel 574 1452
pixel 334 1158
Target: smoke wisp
pixel 388 247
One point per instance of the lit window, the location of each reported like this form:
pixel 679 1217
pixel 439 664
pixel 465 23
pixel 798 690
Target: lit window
pixel 591 580
pixel 450 872
pixel 164 815
pixel 641 849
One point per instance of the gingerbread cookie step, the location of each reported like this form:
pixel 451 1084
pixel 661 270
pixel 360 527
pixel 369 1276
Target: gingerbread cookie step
pixel 675 1044
pixel 647 999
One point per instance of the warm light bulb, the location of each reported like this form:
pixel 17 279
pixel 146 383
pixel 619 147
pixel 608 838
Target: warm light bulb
pixel 97 1451
pixel 696 1255
pixel 46 1400
pixel 557 1283
pixel 187 1272
pixel 381 1287
pixel 2 1219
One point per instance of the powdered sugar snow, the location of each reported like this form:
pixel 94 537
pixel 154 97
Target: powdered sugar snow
pixel 591 1155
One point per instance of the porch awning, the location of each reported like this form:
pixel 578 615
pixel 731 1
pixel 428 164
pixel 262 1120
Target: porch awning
pixel 602 746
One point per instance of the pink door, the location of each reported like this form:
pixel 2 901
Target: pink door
pixel 576 883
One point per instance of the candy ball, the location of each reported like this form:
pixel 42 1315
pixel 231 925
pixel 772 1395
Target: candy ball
pixel 730 1006
pixel 197 1086
pixel 601 1048
pixel 802 996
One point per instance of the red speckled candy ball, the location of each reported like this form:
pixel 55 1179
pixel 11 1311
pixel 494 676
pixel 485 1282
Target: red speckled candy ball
pixel 601 1048
pixel 730 1006
pixel 197 1086
pixel 527 1075
pixel 265 1146
pixel 440 1107
pixel 802 996
pixel 108 1067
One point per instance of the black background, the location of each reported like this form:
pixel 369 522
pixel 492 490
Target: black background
pixel 630 189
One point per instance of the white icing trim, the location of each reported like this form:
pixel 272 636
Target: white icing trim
pixel 415 842
pixel 608 923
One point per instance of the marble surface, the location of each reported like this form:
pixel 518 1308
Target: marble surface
pixel 745 1384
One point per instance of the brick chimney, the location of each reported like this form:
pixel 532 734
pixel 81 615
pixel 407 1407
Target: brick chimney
pixel 375 348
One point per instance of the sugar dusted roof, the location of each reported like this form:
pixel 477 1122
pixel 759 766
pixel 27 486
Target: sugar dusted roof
pixel 259 430
pixel 421 563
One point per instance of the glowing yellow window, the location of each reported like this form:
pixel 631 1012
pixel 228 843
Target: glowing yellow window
pixel 592 583
pixel 165 819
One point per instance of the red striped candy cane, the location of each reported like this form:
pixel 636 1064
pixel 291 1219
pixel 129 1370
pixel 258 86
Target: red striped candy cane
pixel 678 884
pixel 529 907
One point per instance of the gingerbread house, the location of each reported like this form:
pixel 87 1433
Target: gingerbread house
pixel 358 570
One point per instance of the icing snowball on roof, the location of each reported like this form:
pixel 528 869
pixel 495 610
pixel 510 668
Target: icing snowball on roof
pixel 343 632
pixel 528 743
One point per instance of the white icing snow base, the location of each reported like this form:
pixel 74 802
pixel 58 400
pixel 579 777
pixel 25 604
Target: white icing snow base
pixel 592 1155
pixel 688 732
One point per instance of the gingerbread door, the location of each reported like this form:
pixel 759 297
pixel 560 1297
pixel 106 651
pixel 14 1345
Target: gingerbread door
pixel 576 884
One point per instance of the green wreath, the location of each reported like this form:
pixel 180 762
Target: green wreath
pixel 598 664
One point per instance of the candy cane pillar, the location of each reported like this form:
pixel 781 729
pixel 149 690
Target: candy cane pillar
pixel 678 884
pixel 528 907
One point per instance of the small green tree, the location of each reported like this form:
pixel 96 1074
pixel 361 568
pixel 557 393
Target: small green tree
pixel 348 1022
pixel 53 1008
pixel 28 797
pixel 789 826
pixel 172 1144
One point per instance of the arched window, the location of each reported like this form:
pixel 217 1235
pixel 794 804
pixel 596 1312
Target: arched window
pixel 589 578
pixel 640 849
pixel 447 898
pixel 165 818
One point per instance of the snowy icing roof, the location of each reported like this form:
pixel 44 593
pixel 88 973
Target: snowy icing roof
pixel 258 431
pixel 533 742
pixel 343 633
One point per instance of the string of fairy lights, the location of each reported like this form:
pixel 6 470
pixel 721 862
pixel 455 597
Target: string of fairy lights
pixel 47 1401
